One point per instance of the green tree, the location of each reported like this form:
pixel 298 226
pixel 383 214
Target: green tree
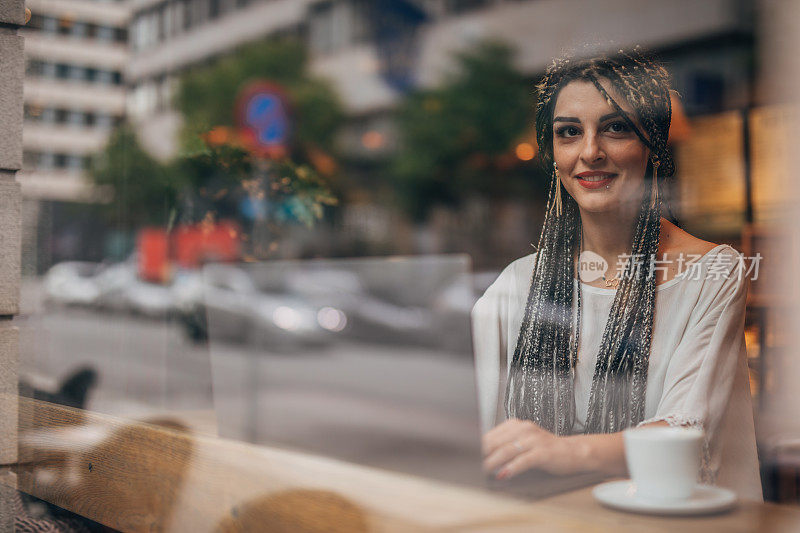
pixel 212 178
pixel 457 140
pixel 143 190
pixel 207 185
pixel 217 179
pixel 206 96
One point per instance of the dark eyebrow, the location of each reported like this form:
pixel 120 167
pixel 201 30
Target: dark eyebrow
pixel 566 119
pixel 610 115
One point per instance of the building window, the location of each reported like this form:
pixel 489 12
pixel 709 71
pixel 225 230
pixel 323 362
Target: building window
pixel 50 25
pixel 104 77
pixel 47 161
pixel 76 119
pixel 172 24
pixel 143 99
pixel 145 30
pixel 334 25
pixel 161 23
pixel 34 68
pixel 78 30
pixel 137 31
pixel 186 11
pixel 73 118
pixel 49 70
pixel 321 27
pixel 74 163
pixel 105 34
pixel 76 73
pixel 103 121
pixel 73 73
pixel 48 115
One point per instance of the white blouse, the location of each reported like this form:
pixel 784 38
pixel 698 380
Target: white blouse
pixel 697 373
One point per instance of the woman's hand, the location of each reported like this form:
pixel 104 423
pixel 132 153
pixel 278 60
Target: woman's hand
pixel 518 445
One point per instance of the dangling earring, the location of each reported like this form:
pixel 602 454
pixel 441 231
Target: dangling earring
pixel 654 186
pixel 559 208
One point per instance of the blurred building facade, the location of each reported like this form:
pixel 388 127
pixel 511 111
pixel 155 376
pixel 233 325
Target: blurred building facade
pixel 374 51
pixel 76 52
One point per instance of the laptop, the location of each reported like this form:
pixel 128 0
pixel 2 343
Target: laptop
pixel 365 360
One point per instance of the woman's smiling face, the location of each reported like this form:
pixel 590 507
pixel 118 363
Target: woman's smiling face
pixel 592 142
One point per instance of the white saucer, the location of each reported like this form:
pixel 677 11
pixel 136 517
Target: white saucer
pixel 622 495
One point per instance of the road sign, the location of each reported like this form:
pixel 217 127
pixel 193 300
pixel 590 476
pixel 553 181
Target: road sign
pixel 263 118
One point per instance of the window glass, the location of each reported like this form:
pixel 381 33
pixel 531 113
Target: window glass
pixel 295 224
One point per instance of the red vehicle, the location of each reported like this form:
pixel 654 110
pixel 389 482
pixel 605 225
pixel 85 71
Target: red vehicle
pixel 187 246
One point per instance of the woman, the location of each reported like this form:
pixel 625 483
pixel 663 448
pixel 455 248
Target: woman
pixel 657 340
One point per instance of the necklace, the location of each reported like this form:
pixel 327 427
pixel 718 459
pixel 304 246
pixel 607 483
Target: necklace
pixel 612 282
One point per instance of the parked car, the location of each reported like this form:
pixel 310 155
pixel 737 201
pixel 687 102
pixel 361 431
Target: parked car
pixel 122 290
pixel 72 283
pixel 226 305
pixel 112 282
pixel 368 316
pixel 115 287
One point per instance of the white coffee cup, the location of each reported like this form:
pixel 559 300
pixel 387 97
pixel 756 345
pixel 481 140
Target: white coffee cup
pixel 664 462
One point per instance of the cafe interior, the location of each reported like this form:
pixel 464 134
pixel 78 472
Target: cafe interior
pixel 239 273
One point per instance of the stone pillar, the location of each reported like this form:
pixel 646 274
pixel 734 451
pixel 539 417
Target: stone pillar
pixel 12 15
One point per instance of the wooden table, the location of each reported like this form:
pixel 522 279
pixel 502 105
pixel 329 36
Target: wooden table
pixel 747 517
pixel 137 476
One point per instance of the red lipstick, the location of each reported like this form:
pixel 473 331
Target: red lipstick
pixel 593 175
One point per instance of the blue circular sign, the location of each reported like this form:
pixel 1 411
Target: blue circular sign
pixel 263 117
pixel 266 115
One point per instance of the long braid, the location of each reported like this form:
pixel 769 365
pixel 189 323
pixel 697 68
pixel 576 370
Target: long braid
pixel 540 385
pixel 541 389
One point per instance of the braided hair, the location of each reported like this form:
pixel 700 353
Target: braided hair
pixel 540 384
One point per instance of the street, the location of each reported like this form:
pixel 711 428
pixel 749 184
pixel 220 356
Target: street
pixel 399 407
